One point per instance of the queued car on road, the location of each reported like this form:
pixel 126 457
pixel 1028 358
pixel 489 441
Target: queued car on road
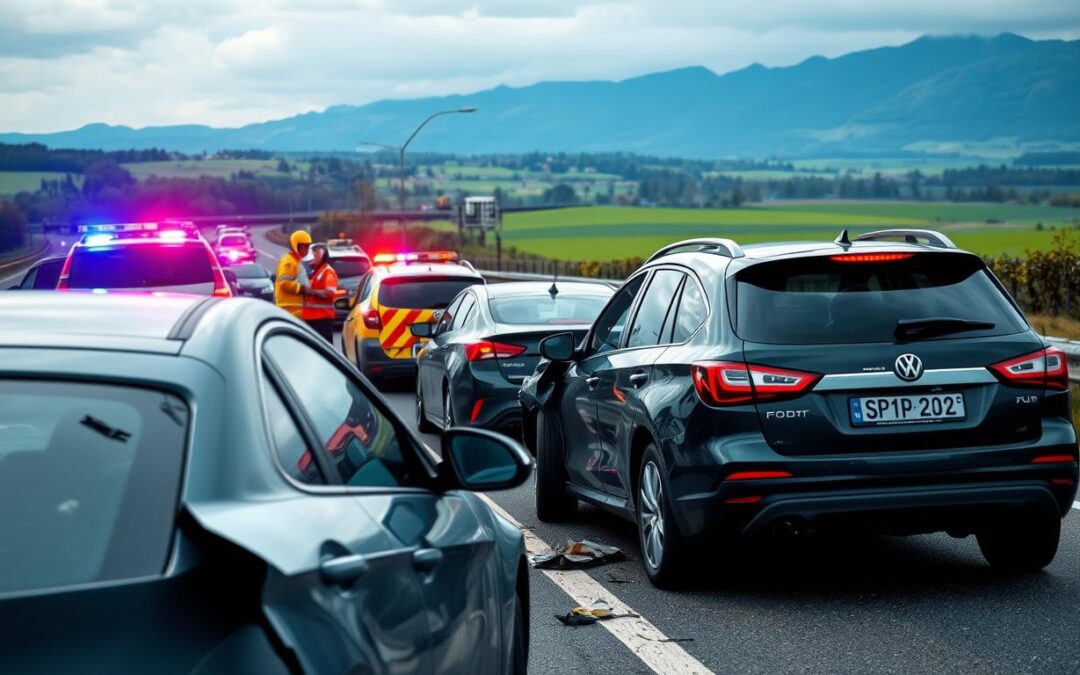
pixel 162 257
pixel 196 486
pixel 885 385
pixel 234 249
pixel 254 281
pixel 42 275
pixel 398 291
pixel 351 263
pixel 487 341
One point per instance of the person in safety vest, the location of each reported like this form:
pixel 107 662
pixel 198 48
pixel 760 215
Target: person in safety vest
pixel 291 281
pixel 319 300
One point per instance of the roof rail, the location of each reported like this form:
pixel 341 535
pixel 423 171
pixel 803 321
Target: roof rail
pixel 725 247
pixel 931 238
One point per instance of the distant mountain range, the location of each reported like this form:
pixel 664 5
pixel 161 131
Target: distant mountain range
pixel 879 101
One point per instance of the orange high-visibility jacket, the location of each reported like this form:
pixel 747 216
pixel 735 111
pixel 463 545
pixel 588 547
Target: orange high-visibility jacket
pixel 324 279
pixel 289 285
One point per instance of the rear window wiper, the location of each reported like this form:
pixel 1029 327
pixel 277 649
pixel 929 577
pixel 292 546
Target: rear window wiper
pixel 924 329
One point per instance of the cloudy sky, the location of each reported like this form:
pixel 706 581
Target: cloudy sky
pixel 65 63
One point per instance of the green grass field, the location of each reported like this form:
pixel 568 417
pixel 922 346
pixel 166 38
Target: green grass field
pixel 12 182
pixel 219 168
pixel 608 233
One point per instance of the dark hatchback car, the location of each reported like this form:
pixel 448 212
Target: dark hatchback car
pixel 487 341
pixel 212 489
pixel 254 281
pixel 42 275
pixel 870 386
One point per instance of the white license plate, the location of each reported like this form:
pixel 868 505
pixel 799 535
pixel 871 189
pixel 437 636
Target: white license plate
pixel 914 409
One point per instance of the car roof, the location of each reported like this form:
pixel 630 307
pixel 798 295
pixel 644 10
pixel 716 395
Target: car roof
pixel 537 288
pixel 425 270
pixel 93 319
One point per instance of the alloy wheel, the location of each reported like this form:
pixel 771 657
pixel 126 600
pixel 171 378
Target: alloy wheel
pixel 651 520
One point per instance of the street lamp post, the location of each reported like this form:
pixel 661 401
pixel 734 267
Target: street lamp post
pixel 401 159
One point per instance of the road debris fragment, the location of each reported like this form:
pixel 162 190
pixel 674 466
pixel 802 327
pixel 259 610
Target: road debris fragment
pixel 578 555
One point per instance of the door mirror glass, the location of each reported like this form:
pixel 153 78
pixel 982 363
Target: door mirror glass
pixel 484 460
pixel 558 347
pixel 420 330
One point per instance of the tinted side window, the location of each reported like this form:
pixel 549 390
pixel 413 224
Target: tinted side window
pixel 465 312
pixel 295 457
pixel 650 319
pixel 448 315
pixel 28 281
pixel 359 440
pixel 690 313
pixel 48 274
pixel 89 478
pixel 607 334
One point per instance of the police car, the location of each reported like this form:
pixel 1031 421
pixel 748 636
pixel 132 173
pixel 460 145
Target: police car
pixel 165 256
pixel 400 290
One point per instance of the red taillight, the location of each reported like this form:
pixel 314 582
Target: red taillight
pixel 744 500
pixel 1044 368
pixel 720 383
pixel 62 281
pixel 482 350
pixel 371 318
pixel 870 257
pixel 757 475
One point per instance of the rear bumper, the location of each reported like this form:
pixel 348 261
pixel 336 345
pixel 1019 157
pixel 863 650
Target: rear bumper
pixel 889 493
pixel 373 361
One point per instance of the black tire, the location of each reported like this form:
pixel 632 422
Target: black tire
pixel 519 659
pixel 1026 541
pixel 422 423
pixel 552 502
pixel 664 551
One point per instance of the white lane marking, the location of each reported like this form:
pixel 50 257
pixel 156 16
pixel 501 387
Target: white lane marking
pixel 1076 505
pixel 638 634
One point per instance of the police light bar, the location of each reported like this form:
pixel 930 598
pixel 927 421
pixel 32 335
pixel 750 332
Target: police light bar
pixel 418 257
pixel 166 230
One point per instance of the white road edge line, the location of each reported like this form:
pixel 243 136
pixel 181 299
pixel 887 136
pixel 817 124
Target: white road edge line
pixel 1076 505
pixel 642 638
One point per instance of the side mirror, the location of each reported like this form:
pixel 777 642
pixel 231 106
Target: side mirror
pixel 483 460
pixel 558 347
pixel 273 278
pixel 420 330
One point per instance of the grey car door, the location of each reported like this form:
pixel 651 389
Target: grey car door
pixel 429 362
pixel 343 592
pixel 436 539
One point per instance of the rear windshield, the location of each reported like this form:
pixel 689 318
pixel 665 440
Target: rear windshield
pixel 422 292
pixel 542 309
pixel 234 240
pixel 822 301
pixel 89 478
pixel 140 266
pixel 350 267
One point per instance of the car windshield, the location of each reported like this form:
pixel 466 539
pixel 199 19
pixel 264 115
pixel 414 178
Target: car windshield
pixel 352 266
pixel 250 272
pixel 423 292
pixel 140 266
pixel 829 300
pixel 234 241
pixel 543 309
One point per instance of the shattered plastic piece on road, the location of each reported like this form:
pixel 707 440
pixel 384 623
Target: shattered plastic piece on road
pixel 584 616
pixel 578 555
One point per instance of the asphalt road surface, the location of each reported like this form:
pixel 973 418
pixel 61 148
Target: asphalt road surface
pixel 876 604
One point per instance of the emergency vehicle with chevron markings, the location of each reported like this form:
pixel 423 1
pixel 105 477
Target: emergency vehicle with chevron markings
pixel 399 290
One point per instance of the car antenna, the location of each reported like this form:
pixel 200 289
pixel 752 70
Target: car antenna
pixel 554 290
pixel 842 239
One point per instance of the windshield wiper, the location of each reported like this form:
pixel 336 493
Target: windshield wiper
pixel 931 327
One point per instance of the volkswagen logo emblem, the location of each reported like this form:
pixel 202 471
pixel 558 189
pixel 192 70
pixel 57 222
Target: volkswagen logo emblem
pixel 908 367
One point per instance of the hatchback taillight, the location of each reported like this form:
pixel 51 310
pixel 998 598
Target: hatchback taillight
pixel 721 383
pixel 482 350
pixel 221 286
pixel 65 272
pixel 371 318
pixel 1045 368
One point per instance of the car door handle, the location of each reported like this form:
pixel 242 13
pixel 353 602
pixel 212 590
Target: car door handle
pixel 426 559
pixel 592 382
pixel 343 570
pixel 638 379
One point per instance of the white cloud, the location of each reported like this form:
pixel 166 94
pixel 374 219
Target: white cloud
pixel 64 63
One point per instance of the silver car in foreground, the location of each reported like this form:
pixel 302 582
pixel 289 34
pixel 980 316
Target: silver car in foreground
pixel 203 485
